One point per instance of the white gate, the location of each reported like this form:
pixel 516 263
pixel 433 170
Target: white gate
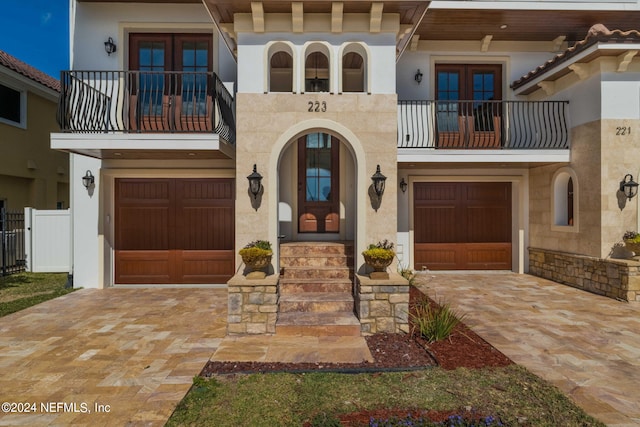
pixel 48 240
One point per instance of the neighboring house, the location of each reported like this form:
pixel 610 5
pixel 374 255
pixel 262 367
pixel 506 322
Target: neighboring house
pixel 503 128
pixel 31 173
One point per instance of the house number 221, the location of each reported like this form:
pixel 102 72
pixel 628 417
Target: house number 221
pixel 317 106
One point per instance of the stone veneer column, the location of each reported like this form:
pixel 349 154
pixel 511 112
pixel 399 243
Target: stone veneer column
pixel 382 305
pixel 252 305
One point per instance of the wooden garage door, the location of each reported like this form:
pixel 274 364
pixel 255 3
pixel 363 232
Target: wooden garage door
pixel 462 226
pixel 174 231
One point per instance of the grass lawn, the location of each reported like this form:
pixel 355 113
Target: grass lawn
pixel 22 290
pixel 513 394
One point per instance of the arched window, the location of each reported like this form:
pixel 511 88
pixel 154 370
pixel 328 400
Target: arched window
pixel 281 72
pixel 564 197
pixel 316 73
pixel 353 72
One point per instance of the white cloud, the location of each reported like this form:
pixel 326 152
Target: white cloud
pixel 46 17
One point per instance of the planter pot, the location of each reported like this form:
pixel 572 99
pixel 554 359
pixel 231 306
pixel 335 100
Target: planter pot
pixel 378 264
pixel 632 246
pixel 256 265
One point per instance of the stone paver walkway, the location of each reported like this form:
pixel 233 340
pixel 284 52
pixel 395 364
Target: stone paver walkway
pixel 586 345
pixel 110 357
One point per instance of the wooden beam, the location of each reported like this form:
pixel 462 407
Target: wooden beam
pixel 486 42
pixel 625 59
pixel 337 16
pixel 297 17
pixel 257 15
pixel 375 24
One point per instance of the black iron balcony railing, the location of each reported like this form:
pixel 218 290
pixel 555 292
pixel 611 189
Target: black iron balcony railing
pixel 483 124
pixel 145 101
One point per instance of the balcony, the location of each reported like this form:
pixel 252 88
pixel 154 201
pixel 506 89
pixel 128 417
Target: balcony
pixel 130 105
pixel 478 125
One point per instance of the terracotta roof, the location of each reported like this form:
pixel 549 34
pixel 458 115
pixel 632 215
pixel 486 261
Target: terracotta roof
pixel 597 34
pixel 28 71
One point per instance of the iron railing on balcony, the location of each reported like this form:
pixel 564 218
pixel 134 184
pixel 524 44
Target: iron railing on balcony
pixel 483 124
pixel 145 101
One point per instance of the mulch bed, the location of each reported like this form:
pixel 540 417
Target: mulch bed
pixel 463 348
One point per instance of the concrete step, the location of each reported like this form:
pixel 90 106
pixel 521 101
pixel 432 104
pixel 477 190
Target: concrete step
pixel 344 324
pixel 318 273
pixel 316 302
pixel 296 286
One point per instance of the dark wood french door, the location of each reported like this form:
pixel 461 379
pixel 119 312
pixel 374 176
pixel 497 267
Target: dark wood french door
pixel 462 225
pixel 468 114
pixel 172 90
pixel 318 184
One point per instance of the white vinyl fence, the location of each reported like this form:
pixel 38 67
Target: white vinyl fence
pixel 48 240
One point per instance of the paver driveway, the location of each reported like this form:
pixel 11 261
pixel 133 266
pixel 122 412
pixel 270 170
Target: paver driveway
pixel 586 345
pixel 133 351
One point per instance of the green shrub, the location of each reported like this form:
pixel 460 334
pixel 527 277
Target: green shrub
pixel 408 274
pixel 631 236
pixel 375 254
pixel 262 244
pixel 252 253
pixel 434 322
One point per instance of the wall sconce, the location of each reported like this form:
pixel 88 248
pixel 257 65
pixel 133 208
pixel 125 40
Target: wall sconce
pixel 88 180
pixel 255 180
pixel 109 46
pixel 418 76
pixel 403 185
pixel 378 182
pixel 628 186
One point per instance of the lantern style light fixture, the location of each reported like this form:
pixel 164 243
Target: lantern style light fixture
pixel 378 182
pixel 418 76
pixel 88 179
pixel 629 187
pixel 403 185
pixel 255 184
pixel 109 46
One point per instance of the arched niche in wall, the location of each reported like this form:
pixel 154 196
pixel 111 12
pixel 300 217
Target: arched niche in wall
pixel 317 68
pixel 564 197
pixel 354 72
pixel 281 68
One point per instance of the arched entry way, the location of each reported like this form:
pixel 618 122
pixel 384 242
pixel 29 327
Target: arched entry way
pixel 317 189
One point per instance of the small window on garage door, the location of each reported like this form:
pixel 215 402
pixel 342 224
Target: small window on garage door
pixel 174 231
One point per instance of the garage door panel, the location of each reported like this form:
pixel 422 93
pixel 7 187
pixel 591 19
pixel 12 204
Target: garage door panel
pixel 437 256
pixel 488 224
pixel 205 266
pixel 206 228
pixel 143 228
pixel 144 267
pixel 488 256
pixel 435 224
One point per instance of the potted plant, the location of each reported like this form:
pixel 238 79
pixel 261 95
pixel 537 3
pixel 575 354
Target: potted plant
pixel 379 257
pixel 256 255
pixel 632 241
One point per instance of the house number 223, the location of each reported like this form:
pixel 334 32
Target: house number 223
pixel 317 106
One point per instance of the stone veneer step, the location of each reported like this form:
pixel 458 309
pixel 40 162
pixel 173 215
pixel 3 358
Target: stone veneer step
pixel 316 302
pixel 317 272
pixel 291 286
pixel 316 260
pixel 318 324
pixel 300 249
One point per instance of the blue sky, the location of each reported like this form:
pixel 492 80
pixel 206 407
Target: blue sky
pixel 36 32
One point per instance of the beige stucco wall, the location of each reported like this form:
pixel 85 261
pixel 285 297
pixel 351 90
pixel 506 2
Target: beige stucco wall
pixel 33 174
pixel 269 123
pixel 600 159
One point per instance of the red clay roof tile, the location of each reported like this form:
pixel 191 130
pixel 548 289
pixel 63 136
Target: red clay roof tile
pixel 28 71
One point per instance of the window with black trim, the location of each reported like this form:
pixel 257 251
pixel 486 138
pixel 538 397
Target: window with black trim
pixel 11 105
